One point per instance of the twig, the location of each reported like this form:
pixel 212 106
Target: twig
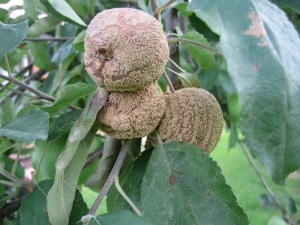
pixel 162 8
pixel 15 92
pixel 171 24
pixel 33 90
pixel 154 6
pixel 24 70
pixel 257 170
pixel 14 178
pixel 93 156
pixel 114 172
pixel 23 85
pixel 12 184
pixel 169 82
pixel 183 40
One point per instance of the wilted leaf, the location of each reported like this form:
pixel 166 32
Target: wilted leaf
pixel 263 55
pixel 188 80
pixel 7 111
pixel 11 36
pixel 121 218
pixel 32 126
pixel 183 185
pixel 203 57
pixel 62 10
pixel 68 95
pixel 71 161
pixel 63 124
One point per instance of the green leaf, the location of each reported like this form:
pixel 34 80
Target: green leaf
pixel 5 145
pixel 33 208
pixel 25 110
pixel 277 220
pixel 43 25
pixel 11 36
pixel 89 169
pixel 31 8
pixel 262 50
pixel 208 78
pixel 11 222
pixel 63 124
pixel 3 199
pixel 7 111
pixel 3 1
pixel 3 15
pixel 40 55
pixel 121 218
pixel 62 10
pixel 136 178
pixel 32 126
pixel 50 151
pixel 79 209
pixel 64 51
pixel 79 41
pixel 14 58
pixel 183 185
pixel 181 7
pixel 203 57
pixel 110 153
pixel 68 95
pixel 294 4
pixel 71 161
pixel 188 79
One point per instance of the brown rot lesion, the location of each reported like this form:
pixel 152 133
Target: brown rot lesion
pixel 105 53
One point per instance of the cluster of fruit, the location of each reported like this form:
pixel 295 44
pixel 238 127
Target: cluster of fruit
pixel 126 51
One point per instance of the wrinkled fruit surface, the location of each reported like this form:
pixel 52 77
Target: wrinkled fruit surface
pixel 192 115
pixel 125 49
pixel 132 114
